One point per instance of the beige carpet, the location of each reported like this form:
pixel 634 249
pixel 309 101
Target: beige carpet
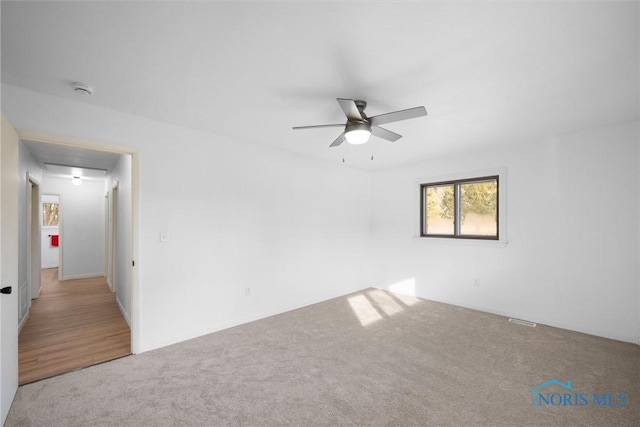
pixel 370 358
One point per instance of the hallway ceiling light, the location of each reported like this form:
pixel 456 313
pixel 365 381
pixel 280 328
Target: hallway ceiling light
pixel 74 170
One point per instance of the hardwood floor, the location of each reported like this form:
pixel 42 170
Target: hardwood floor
pixel 74 324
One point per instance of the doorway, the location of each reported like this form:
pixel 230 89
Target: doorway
pixel 75 322
pixel 115 239
pixel 50 234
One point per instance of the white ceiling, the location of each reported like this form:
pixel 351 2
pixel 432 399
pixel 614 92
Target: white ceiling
pixel 487 73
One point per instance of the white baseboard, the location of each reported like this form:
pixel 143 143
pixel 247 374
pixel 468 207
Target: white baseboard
pixel 124 313
pixel 24 320
pixel 541 320
pixel 82 276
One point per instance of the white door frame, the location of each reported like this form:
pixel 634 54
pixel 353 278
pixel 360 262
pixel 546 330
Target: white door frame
pixel 107 221
pixel 115 194
pixel 135 202
pixel 34 252
pixel 35 236
pixel 60 238
pixel 8 267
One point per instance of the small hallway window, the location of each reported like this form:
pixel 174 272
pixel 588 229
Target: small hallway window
pixel 50 214
pixel 466 208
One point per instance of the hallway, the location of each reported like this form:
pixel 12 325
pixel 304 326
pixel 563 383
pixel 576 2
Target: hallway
pixel 74 324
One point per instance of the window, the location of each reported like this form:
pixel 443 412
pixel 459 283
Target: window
pixel 466 209
pixel 50 214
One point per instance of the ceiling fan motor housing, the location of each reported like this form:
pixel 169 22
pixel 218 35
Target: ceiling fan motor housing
pixel 352 126
pixel 361 105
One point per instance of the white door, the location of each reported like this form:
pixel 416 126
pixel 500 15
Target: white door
pixel 8 267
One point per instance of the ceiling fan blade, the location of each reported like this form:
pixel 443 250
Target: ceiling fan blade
pixel 396 116
pixel 333 125
pixel 339 140
pixel 385 133
pixel 350 109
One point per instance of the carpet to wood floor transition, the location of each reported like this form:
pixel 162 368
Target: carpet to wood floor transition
pixel 371 358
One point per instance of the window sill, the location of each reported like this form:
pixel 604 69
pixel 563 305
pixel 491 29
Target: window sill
pixel 462 242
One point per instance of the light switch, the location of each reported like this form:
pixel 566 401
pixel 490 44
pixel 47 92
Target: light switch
pixel 164 236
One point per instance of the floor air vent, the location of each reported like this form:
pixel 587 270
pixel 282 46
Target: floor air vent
pixel 523 322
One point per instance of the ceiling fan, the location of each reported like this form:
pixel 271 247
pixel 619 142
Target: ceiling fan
pixel 359 127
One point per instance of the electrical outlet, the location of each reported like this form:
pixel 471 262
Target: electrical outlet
pixel 247 291
pixel 476 283
pixel 164 237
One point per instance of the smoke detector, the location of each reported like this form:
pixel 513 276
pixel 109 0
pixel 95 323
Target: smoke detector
pixel 82 88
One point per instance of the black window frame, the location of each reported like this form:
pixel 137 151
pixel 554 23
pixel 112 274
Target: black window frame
pixel 456 183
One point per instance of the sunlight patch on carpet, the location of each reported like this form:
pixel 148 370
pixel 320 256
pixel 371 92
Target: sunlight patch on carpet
pixel 364 310
pixel 385 302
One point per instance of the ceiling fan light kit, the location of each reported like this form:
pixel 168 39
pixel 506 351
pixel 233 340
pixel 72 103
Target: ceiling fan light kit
pixel 359 127
pixel 357 133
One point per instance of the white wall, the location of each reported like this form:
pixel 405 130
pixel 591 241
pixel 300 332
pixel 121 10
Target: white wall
pixel 122 175
pixel 572 230
pixel 293 230
pixel 297 231
pixel 49 257
pixel 81 225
